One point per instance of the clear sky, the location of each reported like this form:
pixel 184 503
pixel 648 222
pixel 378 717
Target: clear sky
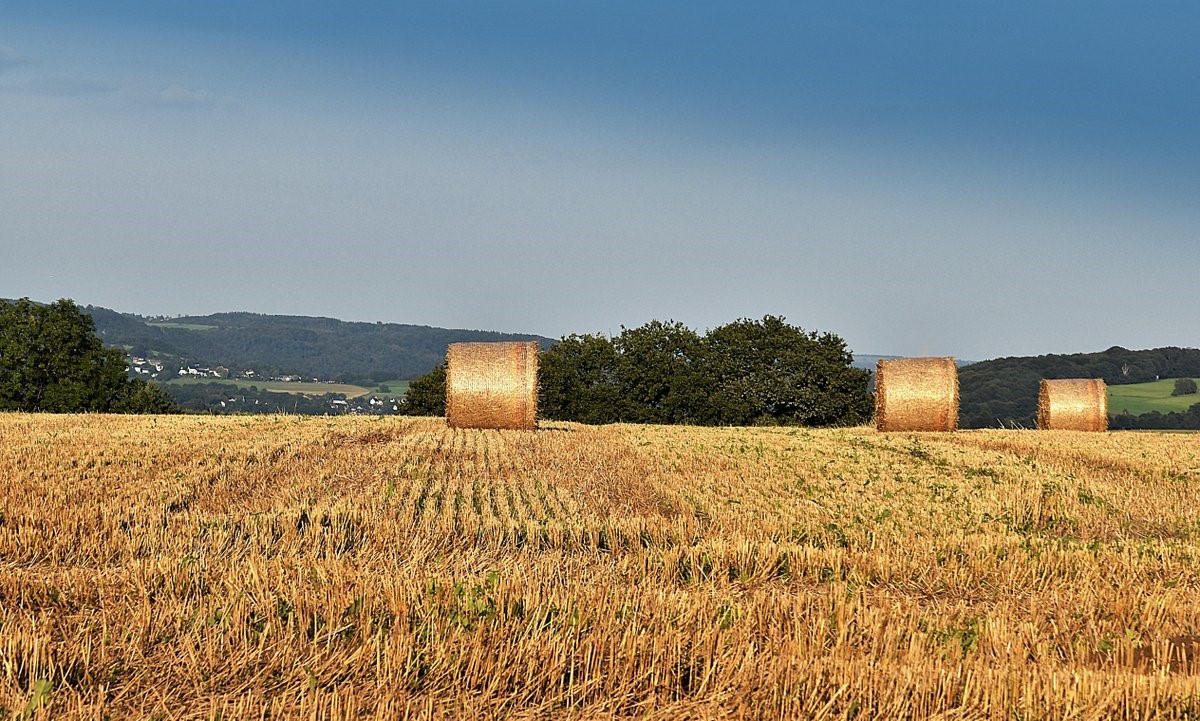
pixel 975 179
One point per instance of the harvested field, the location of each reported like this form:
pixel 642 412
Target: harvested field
pixel 246 567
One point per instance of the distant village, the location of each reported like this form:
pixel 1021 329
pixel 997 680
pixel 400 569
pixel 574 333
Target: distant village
pixel 259 400
pixel 153 368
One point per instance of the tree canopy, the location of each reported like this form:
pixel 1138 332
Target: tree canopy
pixel 578 380
pixel 52 360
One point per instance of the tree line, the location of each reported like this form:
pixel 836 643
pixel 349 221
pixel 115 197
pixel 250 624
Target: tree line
pixel 218 397
pixel 748 372
pixel 1188 420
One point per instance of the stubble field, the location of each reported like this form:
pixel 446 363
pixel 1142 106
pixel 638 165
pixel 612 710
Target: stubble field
pixel 288 567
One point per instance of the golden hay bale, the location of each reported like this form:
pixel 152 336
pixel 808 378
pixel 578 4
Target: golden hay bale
pixel 916 394
pixel 1074 404
pixel 492 385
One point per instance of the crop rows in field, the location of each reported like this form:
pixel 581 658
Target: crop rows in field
pixel 347 567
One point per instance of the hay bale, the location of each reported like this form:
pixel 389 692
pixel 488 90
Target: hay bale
pixel 492 385
pixel 916 394
pixel 1073 404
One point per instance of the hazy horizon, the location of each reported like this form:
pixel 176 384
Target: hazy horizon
pixel 926 179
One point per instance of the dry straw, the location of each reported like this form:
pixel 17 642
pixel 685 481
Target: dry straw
pixel 492 385
pixel 916 394
pixel 1074 404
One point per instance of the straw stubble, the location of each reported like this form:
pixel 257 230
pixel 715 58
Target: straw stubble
pixel 354 568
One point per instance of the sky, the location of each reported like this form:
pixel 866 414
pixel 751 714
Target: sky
pixel 975 179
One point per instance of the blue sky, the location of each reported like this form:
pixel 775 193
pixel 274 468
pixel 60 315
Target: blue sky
pixel 961 178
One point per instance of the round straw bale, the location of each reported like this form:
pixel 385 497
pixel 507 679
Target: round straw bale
pixel 1073 404
pixel 916 394
pixel 492 385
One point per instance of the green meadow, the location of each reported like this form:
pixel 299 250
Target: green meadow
pixel 395 389
pixel 1138 398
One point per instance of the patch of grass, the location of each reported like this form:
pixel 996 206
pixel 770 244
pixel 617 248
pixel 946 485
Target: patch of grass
pixel 395 389
pixel 1139 398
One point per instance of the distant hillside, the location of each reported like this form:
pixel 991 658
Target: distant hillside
pixel 1004 392
pixel 273 345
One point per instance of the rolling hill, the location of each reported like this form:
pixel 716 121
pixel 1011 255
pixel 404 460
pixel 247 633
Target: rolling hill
pixel 305 346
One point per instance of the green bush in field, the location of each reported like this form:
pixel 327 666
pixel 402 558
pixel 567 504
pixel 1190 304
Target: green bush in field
pixel 1184 387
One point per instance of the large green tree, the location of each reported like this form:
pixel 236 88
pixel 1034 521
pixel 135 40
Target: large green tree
pixel 52 360
pixel 769 372
pixel 578 381
pixel 660 374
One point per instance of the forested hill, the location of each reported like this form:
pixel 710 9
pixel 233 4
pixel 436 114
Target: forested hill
pixel 1005 391
pixel 277 344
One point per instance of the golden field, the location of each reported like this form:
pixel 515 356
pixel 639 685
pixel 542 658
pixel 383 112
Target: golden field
pixel 330 568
